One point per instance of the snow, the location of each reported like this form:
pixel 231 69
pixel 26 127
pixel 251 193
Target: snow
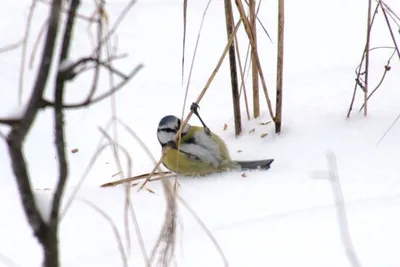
pixel 283 217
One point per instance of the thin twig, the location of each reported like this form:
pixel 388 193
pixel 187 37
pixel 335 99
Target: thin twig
pixel 390 29
pixel 100 148
pixel 206 230
pixel 17 135
pixel 46 103
pixel 388 130
pixel 387 68
pixel 139 235
pixel 358 70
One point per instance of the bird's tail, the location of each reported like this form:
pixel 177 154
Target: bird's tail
pixel 255 164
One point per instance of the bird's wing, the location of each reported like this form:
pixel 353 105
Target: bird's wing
pixel 181 163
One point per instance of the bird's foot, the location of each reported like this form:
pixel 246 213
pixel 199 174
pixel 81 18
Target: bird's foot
pixel 194 108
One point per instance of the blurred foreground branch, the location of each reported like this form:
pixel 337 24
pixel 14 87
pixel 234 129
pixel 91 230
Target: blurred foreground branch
pixel 45 227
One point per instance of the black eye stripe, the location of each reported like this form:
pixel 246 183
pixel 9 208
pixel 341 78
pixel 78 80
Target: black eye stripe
pixel 167 130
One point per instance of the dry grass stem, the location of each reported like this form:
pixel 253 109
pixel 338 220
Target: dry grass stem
pixel 206 230
pixel 390 29
pixel 116 24
pixel 386 69
pixel 165 245
pixel 24 50
pixel 114 228
pixel 155 176
pixel 255 53
pixel 139 235
pixel 358 69
pixel 100 148
pixel 35 47
pixel 184 38
pixel 194 55
pixel 242 79
pixel 279 71
pixel 254 68
pixel 367 58
pixel 233 69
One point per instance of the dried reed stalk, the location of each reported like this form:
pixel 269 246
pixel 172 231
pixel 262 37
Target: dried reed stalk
pixel 256 95
pixel 367 58
pixel 279 71
pixel 254 51
pixel 233 70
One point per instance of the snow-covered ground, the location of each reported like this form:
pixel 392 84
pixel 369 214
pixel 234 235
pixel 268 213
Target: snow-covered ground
pixel 282 217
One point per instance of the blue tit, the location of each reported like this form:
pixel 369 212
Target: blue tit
pixel 200 152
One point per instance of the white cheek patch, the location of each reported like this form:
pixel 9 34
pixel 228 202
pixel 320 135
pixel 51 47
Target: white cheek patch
pixel 165 137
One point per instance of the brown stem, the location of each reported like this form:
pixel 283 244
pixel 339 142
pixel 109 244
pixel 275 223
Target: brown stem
pixel 358 70
pixel 233 71
pixel 255 53
pixel 17 136
pixel 256 91
pixel 367 58
pixel 279 72
pixel 390 29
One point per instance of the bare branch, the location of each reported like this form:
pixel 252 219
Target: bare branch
pixel 10 121
pixel 17 135
pixel 66 10
pixel 46 103
pixel 59 118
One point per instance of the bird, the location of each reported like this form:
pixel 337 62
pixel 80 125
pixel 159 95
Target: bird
pixel 199 152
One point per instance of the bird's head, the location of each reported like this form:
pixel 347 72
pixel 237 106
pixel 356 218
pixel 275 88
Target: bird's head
pixel 168 127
